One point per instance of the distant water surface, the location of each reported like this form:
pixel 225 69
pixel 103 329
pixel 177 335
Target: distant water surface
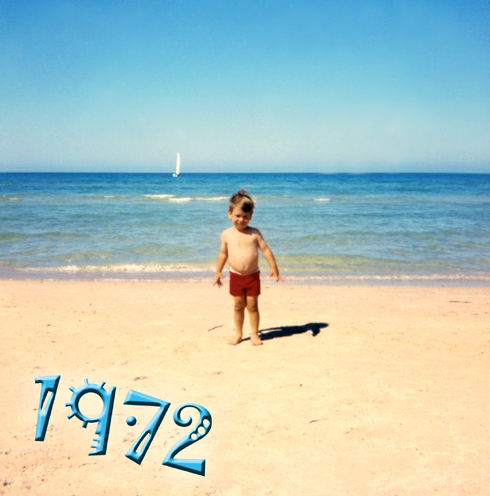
pixel 340 228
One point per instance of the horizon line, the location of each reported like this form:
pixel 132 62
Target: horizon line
pixel 252 172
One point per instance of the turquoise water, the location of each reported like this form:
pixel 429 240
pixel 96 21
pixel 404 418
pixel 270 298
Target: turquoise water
pixel 321 228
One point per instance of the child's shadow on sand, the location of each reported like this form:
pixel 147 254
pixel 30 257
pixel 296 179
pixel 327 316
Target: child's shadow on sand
pixel 281 332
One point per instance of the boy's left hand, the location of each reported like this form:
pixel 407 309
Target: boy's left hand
pixel 275 273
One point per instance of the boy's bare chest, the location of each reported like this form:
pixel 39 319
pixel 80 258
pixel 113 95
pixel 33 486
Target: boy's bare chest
pixel 242 241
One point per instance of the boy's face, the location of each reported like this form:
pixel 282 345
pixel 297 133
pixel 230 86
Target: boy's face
pixel 239 218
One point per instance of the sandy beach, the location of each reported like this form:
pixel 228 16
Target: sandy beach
pixel 363 390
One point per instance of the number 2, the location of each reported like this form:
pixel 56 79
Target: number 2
pixel 202 428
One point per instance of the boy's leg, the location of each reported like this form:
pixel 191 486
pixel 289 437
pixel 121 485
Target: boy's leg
pixel 239 303
pixel 253 312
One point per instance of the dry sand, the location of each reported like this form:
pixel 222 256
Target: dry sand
pixel 390 397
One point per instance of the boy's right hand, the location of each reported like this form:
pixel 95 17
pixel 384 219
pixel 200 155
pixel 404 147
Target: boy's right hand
pixel 217 279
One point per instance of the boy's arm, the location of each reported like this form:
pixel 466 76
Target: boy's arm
pixel 268 255
pixel 222 258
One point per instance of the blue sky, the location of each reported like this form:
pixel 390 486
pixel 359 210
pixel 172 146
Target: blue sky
pixel 320 86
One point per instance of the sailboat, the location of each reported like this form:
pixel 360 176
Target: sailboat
pixel 177 167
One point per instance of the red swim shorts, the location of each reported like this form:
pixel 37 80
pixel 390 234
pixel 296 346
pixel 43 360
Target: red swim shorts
pixel 248 285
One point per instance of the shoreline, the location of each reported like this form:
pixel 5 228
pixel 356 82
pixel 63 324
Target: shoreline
pixel 294 279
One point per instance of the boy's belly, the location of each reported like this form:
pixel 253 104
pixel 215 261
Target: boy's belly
pixel 245 263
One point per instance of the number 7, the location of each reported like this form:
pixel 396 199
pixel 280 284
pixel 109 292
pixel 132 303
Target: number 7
pixel 136 398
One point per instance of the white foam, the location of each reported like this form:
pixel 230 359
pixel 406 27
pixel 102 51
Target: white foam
pixel 185 199
pixel 322 199
pixel 217 198
pixel 387 277
pixel 159 197
pixel 126 268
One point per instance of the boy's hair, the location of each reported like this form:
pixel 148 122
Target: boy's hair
pixel 243 200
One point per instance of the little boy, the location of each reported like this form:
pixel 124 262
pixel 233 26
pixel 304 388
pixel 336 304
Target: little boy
pixel 240 244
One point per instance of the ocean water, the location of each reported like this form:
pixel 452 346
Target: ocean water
pixel 322 228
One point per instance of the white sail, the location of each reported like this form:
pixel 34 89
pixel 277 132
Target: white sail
pixel 177 167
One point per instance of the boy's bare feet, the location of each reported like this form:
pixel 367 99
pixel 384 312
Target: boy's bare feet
pixel 236 339
pixel 255 340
